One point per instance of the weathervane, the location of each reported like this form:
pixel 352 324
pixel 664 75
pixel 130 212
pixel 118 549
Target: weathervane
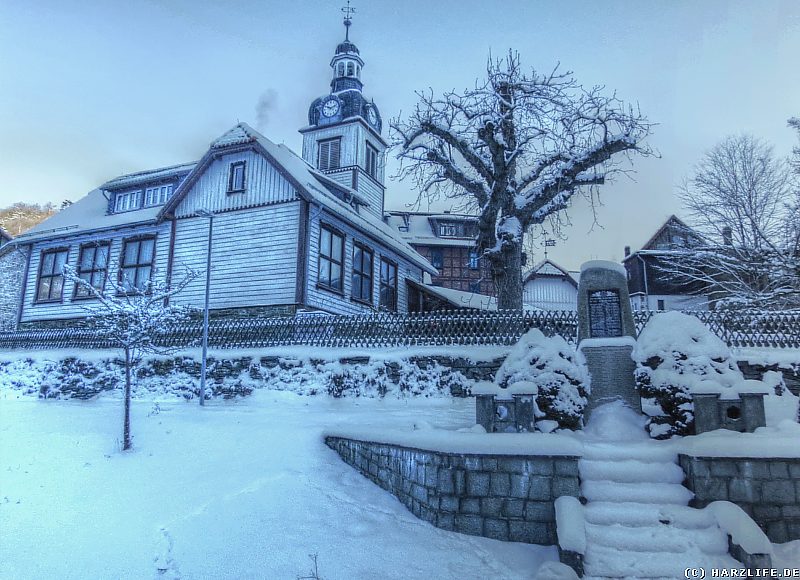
pixel 548 244
pixel 348 20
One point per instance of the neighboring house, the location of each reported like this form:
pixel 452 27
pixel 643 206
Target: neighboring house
pixel 650 286
pixel 12 268
pixel 447 241
pixel 290 234
pixel 548 286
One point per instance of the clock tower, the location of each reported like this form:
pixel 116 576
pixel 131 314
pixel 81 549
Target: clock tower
pixel 343 137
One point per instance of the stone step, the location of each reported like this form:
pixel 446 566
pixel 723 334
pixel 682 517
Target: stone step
pixel 649 452
pixel 630 471
pixel 647 515
pixel 607 562
pixel 660 538
pixel 653 493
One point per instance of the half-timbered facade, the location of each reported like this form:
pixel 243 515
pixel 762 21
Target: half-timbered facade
pixel 286 234
pixel 447 241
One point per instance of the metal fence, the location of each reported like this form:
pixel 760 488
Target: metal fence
pixel 382 330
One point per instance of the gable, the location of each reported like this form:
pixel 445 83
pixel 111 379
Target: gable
pixel 264 184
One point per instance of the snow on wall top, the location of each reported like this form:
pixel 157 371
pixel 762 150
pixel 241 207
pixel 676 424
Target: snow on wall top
pixel 605 265
pixel 468 442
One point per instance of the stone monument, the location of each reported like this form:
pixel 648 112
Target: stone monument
pixel 606 334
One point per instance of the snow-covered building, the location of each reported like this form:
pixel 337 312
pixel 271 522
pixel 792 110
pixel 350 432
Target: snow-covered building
pixel 447 240
pixel 548 286
pixel 650 285
pixel 287 233
pixel 5 237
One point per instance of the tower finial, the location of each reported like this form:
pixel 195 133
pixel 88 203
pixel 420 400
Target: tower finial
pixel 348 20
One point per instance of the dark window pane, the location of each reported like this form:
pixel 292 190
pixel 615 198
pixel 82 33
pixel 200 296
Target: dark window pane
pixel 146 251
pixel 47 263
pixel 336 276
pixel 87 258
pixel 131 253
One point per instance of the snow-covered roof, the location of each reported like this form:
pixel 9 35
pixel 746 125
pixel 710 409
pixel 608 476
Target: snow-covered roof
pixel 461 299
pixel 550 268
pixel 90 213
pixel 420 228
pixel 312 184
pixel 87 214
pixel 648 246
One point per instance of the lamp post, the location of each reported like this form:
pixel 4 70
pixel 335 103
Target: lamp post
pixel 204 213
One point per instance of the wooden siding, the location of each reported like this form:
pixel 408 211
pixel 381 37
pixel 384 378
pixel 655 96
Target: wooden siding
pixel 69 308
pixel 264 184
pixel 550 293
pixel 342 304
pixel 253 257
pixel 349 135
pixel 353 154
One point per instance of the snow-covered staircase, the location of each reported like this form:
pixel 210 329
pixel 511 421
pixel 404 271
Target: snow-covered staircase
pixel 637 520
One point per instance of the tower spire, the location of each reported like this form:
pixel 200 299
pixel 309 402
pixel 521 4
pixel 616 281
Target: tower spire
pixel 348 20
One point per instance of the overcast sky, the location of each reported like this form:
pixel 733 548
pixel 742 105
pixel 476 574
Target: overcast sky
pixel 90 89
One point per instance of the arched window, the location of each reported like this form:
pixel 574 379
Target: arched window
pixel 340 71
pixel 350 69
pixel 358 71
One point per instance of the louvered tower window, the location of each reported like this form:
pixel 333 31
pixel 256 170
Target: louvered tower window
pixel 329 154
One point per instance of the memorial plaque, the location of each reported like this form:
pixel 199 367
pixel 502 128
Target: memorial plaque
pixel 605 316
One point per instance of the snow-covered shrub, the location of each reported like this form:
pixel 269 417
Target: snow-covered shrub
pixel 354 381
pixel 554 372
pixel 674 354
pixel 430 379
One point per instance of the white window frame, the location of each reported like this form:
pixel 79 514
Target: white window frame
pixel 157 195
pixel 127 201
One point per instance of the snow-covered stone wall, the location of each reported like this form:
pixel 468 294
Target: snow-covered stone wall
pixel 85 374
pixel 767 489
pixel 503 497
pixel 12 270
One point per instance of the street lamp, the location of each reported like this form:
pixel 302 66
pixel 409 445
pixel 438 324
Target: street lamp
pixel 204 213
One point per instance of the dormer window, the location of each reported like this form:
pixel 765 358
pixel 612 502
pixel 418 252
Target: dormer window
pixel 448 230
pixel 157 195
pixel 236 177
pixel 127 201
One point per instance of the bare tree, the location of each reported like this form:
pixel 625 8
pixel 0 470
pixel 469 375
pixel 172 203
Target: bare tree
pixel 132 318
pixel 20 217
pixel 739 198
pixel 515 149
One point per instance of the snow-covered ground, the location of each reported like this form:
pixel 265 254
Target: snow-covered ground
pixel 242 489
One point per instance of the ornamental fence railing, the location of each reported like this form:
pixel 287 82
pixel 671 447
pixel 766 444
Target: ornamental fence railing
pixel 384 330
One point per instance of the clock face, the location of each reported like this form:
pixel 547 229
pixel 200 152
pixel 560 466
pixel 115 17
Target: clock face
pixel 330 108
pixel 372 116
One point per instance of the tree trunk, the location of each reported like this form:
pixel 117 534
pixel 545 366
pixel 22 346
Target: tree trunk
pixel 126 423
pixel 507 275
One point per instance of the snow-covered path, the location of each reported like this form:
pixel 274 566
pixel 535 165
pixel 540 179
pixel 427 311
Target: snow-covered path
pixel 241 490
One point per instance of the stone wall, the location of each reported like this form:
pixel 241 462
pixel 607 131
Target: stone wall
pixel 502 497
pixel 767 489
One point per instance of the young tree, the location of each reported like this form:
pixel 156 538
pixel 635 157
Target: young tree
pixel 516 149
pixel 132 319
pixel 739 198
